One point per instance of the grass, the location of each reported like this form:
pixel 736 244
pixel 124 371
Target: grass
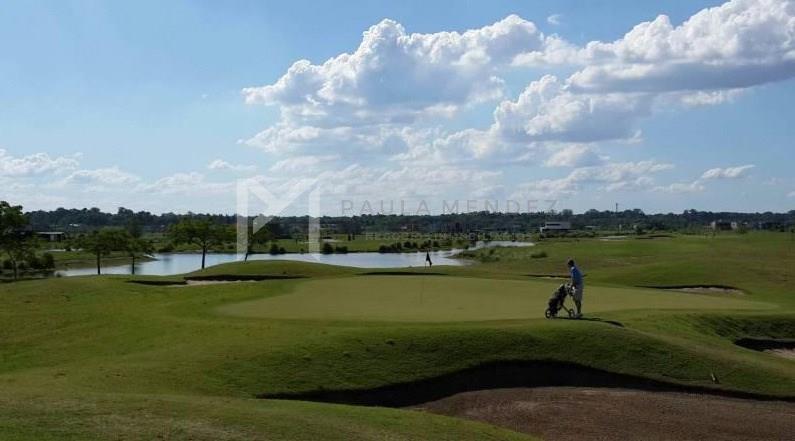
pixel 454 299
pixel 103 358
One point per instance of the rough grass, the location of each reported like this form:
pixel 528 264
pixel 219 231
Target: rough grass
pixel 101 358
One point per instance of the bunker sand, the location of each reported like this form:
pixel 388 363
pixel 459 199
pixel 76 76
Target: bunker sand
pixel 565 413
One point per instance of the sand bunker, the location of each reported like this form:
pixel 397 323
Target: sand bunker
pixel 786 353
pixel 563 401
pixel 701 289
pixel 609 238
pixel 710 290
pixel 780 347
pixel 583 413
pixel 210 282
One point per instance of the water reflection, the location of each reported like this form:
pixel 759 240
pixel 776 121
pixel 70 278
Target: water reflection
pixel 178 263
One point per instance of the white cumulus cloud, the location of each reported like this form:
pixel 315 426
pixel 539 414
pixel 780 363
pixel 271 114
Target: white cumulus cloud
pixel 727 173
pixel 220 164
pixel 548 111
pixel 394 76
pixel 614 176
pixel 574 156
pixel 739 44
pixel 555 19
pixel 108 176
pixel 35 164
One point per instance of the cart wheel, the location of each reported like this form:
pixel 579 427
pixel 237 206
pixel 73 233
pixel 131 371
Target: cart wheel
pixel 571 313
pixel 547 313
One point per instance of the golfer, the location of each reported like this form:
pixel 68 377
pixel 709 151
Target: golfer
pixel 428 259
pixel 576 283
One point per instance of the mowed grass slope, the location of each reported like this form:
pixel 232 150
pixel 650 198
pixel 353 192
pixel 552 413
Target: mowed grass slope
pixel 759 263
pixel 100 358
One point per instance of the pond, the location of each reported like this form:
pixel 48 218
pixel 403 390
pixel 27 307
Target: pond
pixel 166 264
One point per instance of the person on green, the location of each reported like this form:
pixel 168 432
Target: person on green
pixel 577 286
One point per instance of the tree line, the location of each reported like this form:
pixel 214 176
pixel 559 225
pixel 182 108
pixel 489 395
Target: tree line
pixel 86 220
pixel 19 244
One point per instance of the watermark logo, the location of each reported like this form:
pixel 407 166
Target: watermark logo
pixel 303 192
pixel 422 207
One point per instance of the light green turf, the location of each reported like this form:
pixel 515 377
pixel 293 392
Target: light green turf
pixel 450 299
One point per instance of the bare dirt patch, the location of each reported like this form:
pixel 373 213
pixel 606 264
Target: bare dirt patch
pixel 584 413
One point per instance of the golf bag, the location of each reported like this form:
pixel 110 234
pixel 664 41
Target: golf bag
pixel 558 302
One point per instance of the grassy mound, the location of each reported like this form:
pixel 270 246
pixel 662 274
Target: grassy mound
pixel 275 268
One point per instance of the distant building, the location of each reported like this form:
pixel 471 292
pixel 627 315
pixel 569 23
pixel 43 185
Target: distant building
pixel 51 236
pixel 768 225
pixel 556 226
pixel 721 225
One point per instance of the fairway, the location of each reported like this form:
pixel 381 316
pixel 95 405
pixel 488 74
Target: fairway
pixel 451 299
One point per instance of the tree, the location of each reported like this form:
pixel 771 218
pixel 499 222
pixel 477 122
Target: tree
pixel 200 232
pixel 136 247
pixel 260 237
pixel 13 240
pixel 103 242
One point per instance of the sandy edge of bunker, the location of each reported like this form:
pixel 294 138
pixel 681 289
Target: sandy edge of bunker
pixel 700 289
pixel 587 413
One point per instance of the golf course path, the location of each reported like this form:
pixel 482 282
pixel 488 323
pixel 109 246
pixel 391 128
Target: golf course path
pixel 565 413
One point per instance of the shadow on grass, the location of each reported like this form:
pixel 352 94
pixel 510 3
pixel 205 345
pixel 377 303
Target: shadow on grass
pixel 505 374
pixel 592 319
pixel 217 278
pixel 548 276
pixel 401 273
pixel 764 344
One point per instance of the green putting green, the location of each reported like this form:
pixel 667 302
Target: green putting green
pixel 450 299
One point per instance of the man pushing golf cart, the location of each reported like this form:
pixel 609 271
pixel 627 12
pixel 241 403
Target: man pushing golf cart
pixel 574 289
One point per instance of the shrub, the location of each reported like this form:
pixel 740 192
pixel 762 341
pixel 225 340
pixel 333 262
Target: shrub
pixel 167 248
pixel 48 261
pixel 34 262
pixel 538 254
pixel 274 249
pixel 341 249
pixel 327 248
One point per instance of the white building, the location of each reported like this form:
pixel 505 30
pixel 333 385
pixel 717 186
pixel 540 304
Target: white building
pixel 51 236
pixel 556 226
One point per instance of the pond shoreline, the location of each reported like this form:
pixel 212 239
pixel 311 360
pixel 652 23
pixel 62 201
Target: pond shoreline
pixel 168 264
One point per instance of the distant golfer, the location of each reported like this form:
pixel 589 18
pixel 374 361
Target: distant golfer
pixel 428 259
pixel 577 286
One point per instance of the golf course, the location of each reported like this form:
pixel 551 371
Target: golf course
pixel 265 350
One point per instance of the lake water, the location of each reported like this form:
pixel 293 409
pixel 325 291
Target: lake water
pixel 167 264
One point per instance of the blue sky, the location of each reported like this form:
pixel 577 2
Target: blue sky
pixel 163 106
